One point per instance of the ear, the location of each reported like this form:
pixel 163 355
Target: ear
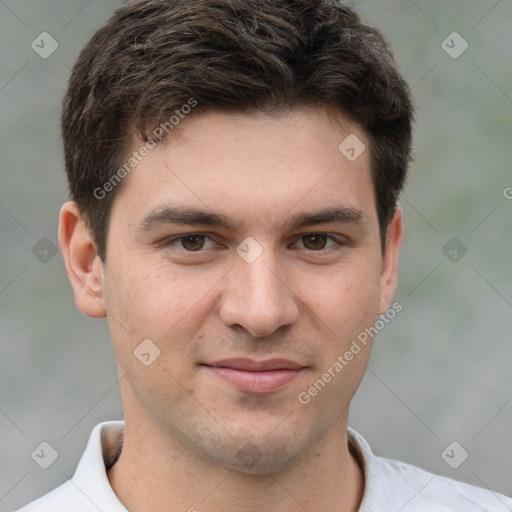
pixel 389 272
pixel 83 265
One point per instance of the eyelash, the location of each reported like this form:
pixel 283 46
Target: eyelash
pixel 170 241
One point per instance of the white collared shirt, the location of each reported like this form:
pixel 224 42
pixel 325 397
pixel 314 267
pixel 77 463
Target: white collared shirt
pixel 390 486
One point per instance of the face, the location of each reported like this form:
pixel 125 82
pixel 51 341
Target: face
pixel 283 263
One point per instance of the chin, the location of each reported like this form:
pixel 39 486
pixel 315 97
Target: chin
pixel 258 456
pixel 251 460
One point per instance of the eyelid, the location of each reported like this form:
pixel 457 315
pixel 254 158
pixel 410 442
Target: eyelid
pixel 339 241
pixel 169 241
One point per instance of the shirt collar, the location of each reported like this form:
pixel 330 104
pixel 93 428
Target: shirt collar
pixel 91 473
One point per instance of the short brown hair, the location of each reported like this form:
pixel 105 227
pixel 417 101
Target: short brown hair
pixel 153 56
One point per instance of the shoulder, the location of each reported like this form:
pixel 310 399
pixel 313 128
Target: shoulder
pixel 434 492
pixel 391 484
pixel 89 489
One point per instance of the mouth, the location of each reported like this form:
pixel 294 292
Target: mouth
pixel 258 377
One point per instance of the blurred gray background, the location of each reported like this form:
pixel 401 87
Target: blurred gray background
pixel 440 371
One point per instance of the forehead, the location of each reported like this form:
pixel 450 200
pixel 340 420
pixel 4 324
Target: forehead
pixel 253 167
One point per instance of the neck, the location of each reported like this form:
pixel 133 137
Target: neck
pixel 154 472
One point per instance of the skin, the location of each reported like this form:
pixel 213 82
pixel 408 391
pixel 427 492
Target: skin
pixel 304 299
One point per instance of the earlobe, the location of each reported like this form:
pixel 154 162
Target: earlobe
pixel 389 272
pixel 83 266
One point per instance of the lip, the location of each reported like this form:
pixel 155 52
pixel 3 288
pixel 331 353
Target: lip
pixel 250 365
pixel 258 377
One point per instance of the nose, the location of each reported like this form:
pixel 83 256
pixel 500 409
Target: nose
pixel 257 297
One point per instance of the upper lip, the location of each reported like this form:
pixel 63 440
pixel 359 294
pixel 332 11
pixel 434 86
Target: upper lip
pixel 257 366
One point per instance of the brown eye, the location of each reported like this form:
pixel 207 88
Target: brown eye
pixel 192 242
pixel 315 241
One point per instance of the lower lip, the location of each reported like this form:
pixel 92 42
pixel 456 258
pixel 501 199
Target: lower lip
pixel 256 382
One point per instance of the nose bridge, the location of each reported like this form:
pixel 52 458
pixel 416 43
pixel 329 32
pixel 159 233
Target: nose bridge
pixel 256 296
pixel 261 281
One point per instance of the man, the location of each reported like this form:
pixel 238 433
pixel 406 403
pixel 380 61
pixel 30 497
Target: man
pixel 234 168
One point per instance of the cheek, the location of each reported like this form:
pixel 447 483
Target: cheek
pixel 156 301
pixel 346 299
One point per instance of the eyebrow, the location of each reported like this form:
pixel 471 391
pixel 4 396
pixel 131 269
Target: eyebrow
pixel 165 215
